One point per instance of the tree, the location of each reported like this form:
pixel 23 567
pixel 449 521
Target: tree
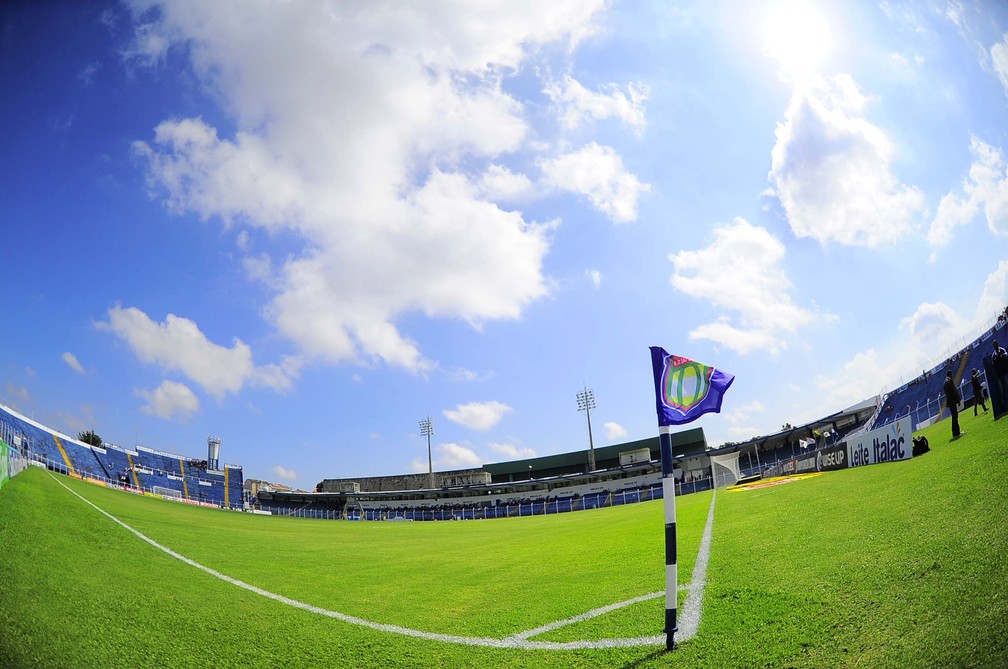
pixel 90 437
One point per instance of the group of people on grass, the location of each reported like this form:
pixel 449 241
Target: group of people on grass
pixel 999 362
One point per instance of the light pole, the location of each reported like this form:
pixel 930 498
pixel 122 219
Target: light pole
pixel 426 430
pixel 586 402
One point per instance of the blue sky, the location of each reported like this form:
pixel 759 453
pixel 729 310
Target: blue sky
pixel 306 226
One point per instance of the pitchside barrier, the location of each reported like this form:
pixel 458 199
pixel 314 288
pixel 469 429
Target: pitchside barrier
pixel 12 462
pixel 891 443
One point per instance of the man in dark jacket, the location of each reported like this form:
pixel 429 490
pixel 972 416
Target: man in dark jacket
pixel 952 402
pixel 999 360
pixel 978 397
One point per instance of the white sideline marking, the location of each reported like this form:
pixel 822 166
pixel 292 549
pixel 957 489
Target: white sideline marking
pixel 520 640
pixel 689 621
pixel 587 615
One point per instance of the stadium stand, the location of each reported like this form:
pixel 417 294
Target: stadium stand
pixel 922 397
pixel 144 468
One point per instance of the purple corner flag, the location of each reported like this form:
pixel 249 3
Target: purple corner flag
pixel 685 389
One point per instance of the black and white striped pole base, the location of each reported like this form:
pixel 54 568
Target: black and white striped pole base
pixel 671 575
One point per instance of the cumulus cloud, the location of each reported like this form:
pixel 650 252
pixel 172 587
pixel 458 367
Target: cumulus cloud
pixel 999 57
pixel 932 325
pixel 741 420
pixel 500 184
pixel 169 400
pixel 986 187
pixel 756 289
pixel 449 456
pixel 594 276
pixel 478 415
pixel 177 344
pixel 598 173
pixel 931 328
pixel 512 452
pixel 994 296
pixel 377 142
pixel 831 169
pixel 614 431
pixel 19 392
pixel 283 473
pixel 71 360
pixel 578 104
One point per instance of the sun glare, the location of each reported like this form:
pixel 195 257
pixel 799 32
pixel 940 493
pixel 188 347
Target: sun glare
pixel 797 37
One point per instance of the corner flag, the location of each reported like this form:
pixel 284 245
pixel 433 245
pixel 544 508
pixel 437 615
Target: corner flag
pixel 685 389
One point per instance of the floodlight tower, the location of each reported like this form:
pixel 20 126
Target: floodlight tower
pixel 586 402
pixel 426 430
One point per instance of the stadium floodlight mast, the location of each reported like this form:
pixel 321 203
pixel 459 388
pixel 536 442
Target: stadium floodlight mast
pixel 426 430
pixel 586 402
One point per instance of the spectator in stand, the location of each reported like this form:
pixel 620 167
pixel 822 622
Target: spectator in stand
pixel 978 398
pixel 1000 363
pixel 952 402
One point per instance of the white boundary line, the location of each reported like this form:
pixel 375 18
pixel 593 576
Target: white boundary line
pixel 689 621
pixel 520 640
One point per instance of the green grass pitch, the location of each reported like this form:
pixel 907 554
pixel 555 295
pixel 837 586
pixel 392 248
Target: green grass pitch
pixel 898 565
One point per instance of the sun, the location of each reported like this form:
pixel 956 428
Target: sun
pixel 797 37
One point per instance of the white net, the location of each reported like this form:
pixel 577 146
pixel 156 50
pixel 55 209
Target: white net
pixel 725 469
pixel 167 492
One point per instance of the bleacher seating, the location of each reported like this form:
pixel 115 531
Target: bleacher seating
pixel 923 397
pixel 142 466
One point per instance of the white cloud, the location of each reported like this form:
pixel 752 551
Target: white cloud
pixel 597 172
pixel 283 473
pixel 614 431
pixel 594 276
pixel 832 170
pixel 933 325
pixel 986 187
pixel 449 456
pixel 931 331
pixel 999 56
pixel 149 45
pixel 463 374
pixel 748 420
pixel 500 184
pixel 995 295
pixel 169 400
pixel 756 288
pixel 511 452
pixel 577 103
pixel 87 75
pixel 20 392
pixel 71 360
pixel 744 413
pixel 375 138
pixel 179 345
pixel 478 415
pixel 243 241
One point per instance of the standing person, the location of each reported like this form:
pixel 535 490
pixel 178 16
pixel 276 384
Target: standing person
pixel 952 402
pixel 1000 363
pixel 978 398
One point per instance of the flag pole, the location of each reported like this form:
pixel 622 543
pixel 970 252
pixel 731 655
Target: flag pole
pixel 684 390
pixel 671 568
